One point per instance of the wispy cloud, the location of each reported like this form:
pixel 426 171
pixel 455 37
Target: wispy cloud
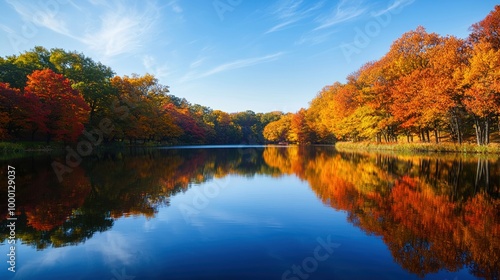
pixel 116 30
pixel 121 30
pixel 314 38
pixel 346 10
pixel 7 29
pixel 48 18
pixel 288 12
pixel 395 5
pixel 280 26
pixel 241 63
pixel 197 63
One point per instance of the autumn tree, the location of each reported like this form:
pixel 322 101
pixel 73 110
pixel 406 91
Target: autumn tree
pixel 488 29
pixel 57 109
pixel 92 79
pixel 193 132
pixel 144 112
pixel 332 108
pixel 482 88
pixel 300 128
pixel 11 117
pixel 226 131
pixel 373 82
pixel 482 77
pixel 409 56
pixel 279 131
pixel 447 60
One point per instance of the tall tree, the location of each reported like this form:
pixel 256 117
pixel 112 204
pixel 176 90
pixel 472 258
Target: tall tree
pixel 488 29
pixel 482 83
pixel 63 110
pixel 11 117
pixel 91 78
pixel 300 127
pixel 279 131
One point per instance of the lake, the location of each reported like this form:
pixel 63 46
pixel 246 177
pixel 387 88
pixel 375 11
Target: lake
pixel 254 212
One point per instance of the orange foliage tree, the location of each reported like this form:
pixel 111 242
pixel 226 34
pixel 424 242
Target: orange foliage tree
pixel 424 83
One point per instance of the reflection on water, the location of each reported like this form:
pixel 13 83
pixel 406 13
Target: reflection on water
pixel 433 213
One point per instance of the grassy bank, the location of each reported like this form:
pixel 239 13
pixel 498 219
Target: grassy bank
pixel 10 150
pixel 21 147
pixel 493 148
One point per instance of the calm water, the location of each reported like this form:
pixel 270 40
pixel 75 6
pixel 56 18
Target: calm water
pixel 255 213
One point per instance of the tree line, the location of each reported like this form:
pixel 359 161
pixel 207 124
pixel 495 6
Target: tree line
pixel 56 95
pixel 427 86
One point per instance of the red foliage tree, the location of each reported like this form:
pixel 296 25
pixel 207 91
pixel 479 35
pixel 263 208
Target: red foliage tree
pixel 488 29
pixel 57 109
pixel 10 117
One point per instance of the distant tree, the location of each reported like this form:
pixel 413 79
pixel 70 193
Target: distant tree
pixel 227 132
pixel 300 128
pixel 10 111
pixel 279 131
pixel 146 113
pixel 249 123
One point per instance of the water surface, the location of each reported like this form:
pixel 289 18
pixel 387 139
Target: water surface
pixel 255 213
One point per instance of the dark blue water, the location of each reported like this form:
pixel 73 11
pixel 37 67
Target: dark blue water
pixel 255 213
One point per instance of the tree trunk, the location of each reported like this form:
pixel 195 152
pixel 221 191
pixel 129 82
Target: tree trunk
pixel 459 131
pixel 478 131
pixel 436 135
pixel 456 125
pixel 498 123
pixel 486 131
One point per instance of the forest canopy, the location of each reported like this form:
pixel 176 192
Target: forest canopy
pixel 58 95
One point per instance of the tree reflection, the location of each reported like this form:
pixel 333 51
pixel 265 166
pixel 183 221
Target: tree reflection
pixel 112 185
pixel 432 213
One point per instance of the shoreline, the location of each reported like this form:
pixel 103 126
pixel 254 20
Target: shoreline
pixel 421 148
pixel 26 148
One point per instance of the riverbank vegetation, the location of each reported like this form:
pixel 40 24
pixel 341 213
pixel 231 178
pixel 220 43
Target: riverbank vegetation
pixel 466 148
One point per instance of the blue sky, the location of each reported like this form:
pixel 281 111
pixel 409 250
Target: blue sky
pixel 232 55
